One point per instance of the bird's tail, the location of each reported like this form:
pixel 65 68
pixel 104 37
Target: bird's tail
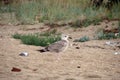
pixel 44 50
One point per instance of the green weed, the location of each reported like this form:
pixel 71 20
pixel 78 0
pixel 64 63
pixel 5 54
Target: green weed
pixel 17 36
pixel 101 35
pixel 82 39
pixel 6 9
pixel 37 39
pixel 114 13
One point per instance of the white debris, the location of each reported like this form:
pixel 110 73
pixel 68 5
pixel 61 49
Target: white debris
pixel 23 54
pixel 116 34
pixel 116 53
pixel 111 43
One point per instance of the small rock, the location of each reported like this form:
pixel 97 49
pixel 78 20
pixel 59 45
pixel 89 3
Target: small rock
pixel 23 54
pixel 77 47
pixel 1 36
pixel 78 67
pixel 34 69
pixel 15 69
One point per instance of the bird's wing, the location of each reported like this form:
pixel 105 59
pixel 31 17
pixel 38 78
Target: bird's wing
pixel 57 46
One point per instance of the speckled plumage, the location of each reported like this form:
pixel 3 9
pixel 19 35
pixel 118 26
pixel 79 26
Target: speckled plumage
pixel 58 46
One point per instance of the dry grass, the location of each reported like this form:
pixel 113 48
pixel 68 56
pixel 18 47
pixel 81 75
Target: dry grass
pixel 56 10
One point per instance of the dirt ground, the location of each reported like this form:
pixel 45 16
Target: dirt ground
pixel 92 61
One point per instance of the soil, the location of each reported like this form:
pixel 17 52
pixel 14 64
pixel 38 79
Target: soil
pixel 91 60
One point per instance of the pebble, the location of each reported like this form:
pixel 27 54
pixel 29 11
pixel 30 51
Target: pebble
pixel 77 47
pixel 78 67
pixel 23 54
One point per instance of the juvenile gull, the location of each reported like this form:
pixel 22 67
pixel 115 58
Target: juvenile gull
pixel 58 46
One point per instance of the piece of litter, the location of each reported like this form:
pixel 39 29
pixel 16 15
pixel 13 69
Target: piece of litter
pixel 116 34
pixel 15 69
pixel 117 53
pixel 111 43
pixel 108 43
pixel 23 54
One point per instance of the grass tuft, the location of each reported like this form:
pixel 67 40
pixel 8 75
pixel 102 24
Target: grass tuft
pixel 32 11
pixel 26 12
pixel 43 39
pixel 82 39
pixel 101 35
pixel 16 36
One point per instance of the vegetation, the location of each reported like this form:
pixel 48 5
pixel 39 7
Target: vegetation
pixel 30 12
pixel 38 39
pixel 82 39
pixel 110 35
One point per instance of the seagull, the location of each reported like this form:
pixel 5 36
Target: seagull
pixel 58 46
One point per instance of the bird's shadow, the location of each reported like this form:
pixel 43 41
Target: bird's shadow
pixel 38 50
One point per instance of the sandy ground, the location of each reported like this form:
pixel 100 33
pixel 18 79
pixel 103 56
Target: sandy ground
pixel 93 61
